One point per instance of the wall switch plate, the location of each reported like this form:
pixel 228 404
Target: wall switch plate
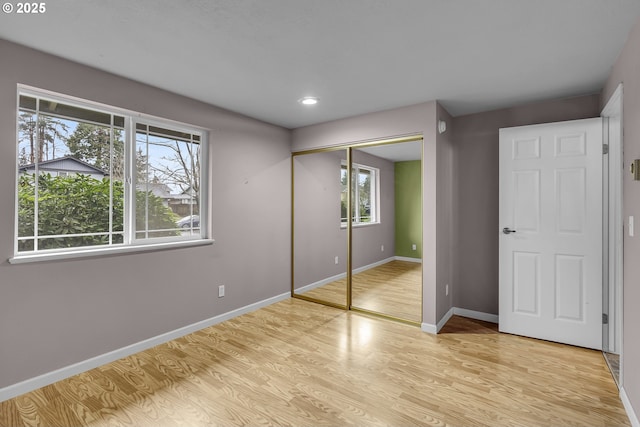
pixel 414 247
pixel 220 291
pixel 382 248
pixel 336 260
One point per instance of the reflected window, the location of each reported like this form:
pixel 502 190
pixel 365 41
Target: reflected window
pixel 364 190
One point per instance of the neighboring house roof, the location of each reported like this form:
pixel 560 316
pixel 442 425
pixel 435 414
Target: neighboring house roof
pixel 66 164
pixel 189 191
pixel 181 196
pixel 157 189
pixel 163 191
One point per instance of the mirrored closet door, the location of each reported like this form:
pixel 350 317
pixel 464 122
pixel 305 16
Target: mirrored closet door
pixel 387 230
pixel 319 227
pixel 357 227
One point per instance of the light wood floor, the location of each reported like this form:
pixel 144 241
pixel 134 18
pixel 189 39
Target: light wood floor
pixel 394 288
pixel 304 364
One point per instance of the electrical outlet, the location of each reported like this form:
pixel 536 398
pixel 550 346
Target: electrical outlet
pixel 382 248
pixel 220 291
pixel 446 289
pixel 414 247
pixel 631 230
pixel 336 260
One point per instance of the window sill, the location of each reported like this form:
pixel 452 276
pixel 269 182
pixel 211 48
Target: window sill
pixel 87 253
pixel 362 224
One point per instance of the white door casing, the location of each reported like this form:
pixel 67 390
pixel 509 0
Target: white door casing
pixel 551 265
pixel 612 295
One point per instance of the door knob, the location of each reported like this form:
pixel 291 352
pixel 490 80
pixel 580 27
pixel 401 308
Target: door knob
pixel 507 230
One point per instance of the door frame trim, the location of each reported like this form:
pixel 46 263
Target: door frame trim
pixel 615 247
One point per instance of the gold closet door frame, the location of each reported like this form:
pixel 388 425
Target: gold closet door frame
pixel 349 148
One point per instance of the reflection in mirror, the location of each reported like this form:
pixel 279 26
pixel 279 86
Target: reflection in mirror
pixel 387 230
pixel 319 240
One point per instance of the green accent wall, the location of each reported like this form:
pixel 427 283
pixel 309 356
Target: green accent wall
pixel 408 195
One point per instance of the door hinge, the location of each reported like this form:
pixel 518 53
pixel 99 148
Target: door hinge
pixel 605 319
pixel 605 148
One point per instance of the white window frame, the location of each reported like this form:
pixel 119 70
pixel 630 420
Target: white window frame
pixel 130 243
pixel 375 195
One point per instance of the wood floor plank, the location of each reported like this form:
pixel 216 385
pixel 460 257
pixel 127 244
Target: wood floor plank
pixel 10 414
pixel 297 363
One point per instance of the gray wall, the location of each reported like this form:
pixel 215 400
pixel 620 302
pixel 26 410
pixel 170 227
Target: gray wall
pixel 476 193
pixel 411 120
pixel 446 209
pixel 627 71
pixel 53 314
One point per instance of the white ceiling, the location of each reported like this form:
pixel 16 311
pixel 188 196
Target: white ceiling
pixel 258 57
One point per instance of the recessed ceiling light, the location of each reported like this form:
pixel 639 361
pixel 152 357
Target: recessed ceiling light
pixel 308 100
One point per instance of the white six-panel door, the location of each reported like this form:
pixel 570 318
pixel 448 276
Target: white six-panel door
pixel 551 232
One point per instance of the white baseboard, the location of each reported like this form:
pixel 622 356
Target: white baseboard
pixel 429 328
pixel 434 329
pixel 471 314
pixel 445 319
pixel 307 288
pixel 478 315
pixel 408 259
pixel 373 265
pixel 633 418
pixel 31 384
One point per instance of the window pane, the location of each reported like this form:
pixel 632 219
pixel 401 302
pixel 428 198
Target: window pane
pixel 75 189
pixel 27 103
pixel 168 183
pixel 26 211
pixel 118 121
pixel 26 138
pixel 363 191
pixel 62 242
pixel 168 133
pixel 73 112
pixel 364 195
pixel 117 176
pixel 74 198
pixel 354 194
pixel 28 154
pixel 343 194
